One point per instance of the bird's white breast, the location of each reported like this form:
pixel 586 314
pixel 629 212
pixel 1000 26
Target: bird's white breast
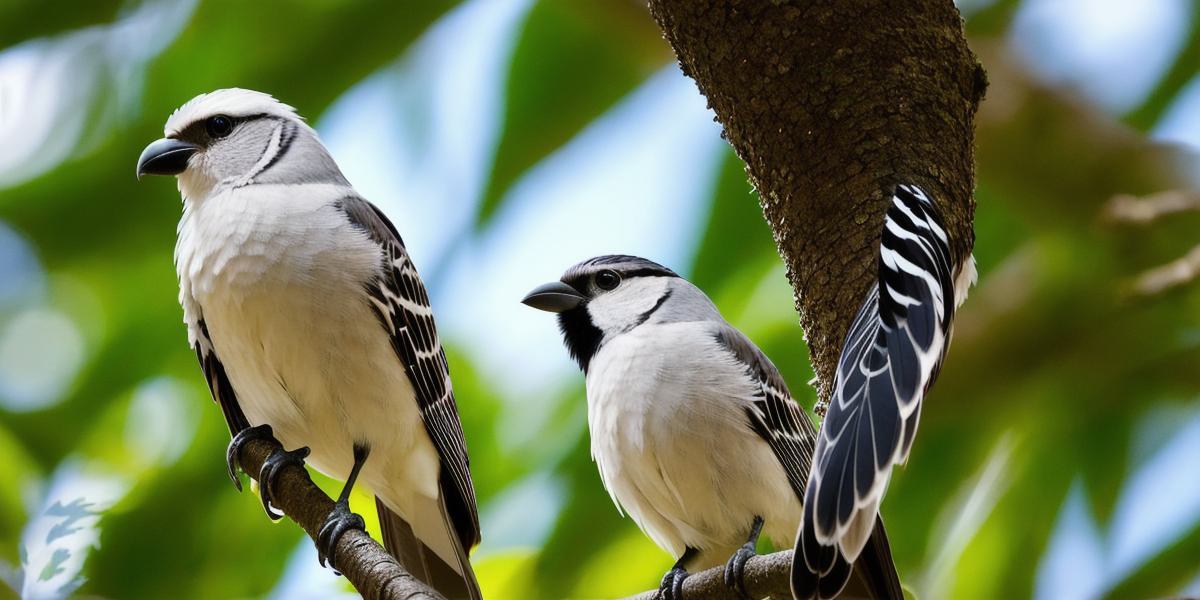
pixel 277 274
pixel 670 435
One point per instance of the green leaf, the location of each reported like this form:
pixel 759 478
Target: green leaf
pixel 587 523
pixel 188 524
pixel 479 409
pixel 507 574
pixel 22 20
pixel 736 233
pixel 572 61
pixel 993 20
pixel 1166 574
pixel 1103 448
pixel 630 565
pixel 17 470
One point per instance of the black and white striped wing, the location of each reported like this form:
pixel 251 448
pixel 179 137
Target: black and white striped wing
pixel 890 358
pixel 402 305
pixel 773 414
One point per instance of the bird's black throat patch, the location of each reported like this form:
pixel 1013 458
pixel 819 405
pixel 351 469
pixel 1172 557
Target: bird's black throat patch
pixel 580 335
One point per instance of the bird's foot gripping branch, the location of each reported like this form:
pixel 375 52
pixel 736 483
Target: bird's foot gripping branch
pixel 368 567
pixel 766 576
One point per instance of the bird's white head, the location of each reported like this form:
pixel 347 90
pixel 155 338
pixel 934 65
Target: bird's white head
pixel 606 296
pixel 236 137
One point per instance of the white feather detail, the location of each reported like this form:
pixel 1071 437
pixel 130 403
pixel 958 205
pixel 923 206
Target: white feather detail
pixel 967 276
pixel 268 155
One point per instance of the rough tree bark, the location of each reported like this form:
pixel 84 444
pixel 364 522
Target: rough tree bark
pixel 831 104
pixel 368 567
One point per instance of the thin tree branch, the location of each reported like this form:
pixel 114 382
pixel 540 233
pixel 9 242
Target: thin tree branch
pixel 368 567
pixel 1180 271
pixel 767 576
pixel 1125 208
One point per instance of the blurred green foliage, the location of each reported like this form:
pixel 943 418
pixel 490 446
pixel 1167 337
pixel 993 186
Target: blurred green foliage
pixel 1048 384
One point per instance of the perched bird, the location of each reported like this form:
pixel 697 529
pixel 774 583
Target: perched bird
pixel 891 356
pixel 312 325
pixel 692 427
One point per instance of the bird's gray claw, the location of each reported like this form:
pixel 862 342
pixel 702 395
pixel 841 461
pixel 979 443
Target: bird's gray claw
pixel 671 587
pixel 271 468
pixel 339 521
pixel 261 432
pixel 735 569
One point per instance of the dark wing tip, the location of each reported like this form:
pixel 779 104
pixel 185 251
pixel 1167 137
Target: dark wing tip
pixel 804 581
pixel 876 566
pixel 818 572
pixel 832 583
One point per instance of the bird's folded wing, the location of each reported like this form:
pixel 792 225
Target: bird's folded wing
pixel 790 434
pixel 400 301
pixel 772 413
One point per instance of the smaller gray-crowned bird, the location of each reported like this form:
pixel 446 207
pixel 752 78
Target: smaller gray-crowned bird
pixel 311 325
pixel 693 429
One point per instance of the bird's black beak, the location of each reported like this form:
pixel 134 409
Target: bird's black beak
pixel 554 297
pixel 165 157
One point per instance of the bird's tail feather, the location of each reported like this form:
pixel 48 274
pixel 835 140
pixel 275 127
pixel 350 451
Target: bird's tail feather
pixel 875 567
pixel 422 562
pixel 872 576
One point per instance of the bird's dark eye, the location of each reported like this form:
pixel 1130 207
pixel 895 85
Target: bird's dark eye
pixel 607 280
pixel 218 126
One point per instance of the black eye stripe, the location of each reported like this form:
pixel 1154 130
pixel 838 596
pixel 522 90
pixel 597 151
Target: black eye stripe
pixel 196 131
pixel 650 273
pixel 239 119
pixel 580 281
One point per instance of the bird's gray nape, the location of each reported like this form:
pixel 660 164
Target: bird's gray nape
pixel 298 158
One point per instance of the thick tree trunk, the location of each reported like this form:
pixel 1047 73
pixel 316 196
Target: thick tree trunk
pixel 831 104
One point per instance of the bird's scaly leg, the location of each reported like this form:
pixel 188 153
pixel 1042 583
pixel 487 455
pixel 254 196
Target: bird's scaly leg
pixel 735 569
pixel 671 587
pixel 340 519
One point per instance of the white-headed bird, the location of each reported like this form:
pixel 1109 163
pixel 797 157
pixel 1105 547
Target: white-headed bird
pixel 311 324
